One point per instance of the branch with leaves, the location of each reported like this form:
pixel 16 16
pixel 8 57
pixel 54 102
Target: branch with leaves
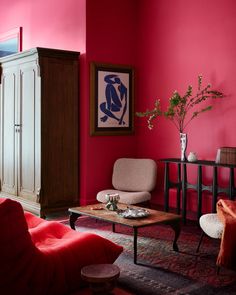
pixel 180 106
pixel 154 113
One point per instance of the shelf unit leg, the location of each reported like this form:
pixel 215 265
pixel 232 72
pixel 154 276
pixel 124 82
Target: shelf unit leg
pixel 184 193
pixel 166 187
pixel 199 191
pixel 214 189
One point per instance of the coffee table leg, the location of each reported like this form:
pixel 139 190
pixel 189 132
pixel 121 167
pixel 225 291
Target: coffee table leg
pixel 113 227
pixel 73 218
pixel 135 244
pixel 176 227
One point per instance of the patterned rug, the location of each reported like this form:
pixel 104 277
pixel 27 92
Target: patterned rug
pixel 160 270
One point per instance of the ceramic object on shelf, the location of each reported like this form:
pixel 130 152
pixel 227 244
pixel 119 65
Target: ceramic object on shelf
pixel 192 157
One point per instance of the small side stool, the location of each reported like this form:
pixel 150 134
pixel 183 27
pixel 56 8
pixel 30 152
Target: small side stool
pixel 101 277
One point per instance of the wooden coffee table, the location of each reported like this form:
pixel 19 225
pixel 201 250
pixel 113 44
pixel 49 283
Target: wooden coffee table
pixel 99 211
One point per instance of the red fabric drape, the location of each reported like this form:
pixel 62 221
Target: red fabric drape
pixel 226 210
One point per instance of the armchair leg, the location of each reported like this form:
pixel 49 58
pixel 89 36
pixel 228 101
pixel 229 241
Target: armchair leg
pixel 198 247
pixel 217 269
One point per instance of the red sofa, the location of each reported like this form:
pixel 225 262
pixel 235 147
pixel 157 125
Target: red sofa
pixel 39 257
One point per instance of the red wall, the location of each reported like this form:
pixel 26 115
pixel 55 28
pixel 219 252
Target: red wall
pixel 46 23
pixel 111 38
pixel 169 42
pixel 102 32
pixel 180 39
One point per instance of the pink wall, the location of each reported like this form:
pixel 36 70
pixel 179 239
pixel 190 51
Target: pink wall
pixel 45 23
pixel 110 39
pixel 169 42
pixel 178 40
pixel 103 32
pixel 49 23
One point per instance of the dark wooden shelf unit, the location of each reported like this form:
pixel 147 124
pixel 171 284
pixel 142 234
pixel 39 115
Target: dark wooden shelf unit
pixel 182 184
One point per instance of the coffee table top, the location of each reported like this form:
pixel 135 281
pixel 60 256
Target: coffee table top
pixel 99 211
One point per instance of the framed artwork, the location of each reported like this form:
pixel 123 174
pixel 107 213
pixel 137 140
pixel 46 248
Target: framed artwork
pixel 11 42
pixel 111 99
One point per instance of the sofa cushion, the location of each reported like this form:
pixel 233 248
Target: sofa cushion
pixel 45 257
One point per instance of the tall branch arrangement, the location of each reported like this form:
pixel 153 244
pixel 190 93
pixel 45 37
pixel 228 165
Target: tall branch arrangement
pixel 180 106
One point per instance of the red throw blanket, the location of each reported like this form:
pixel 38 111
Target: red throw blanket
pixel 226 210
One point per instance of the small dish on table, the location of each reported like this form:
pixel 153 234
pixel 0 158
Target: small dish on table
pixel 133 213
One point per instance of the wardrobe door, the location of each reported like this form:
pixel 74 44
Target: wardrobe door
pixel 8 144
pixel 29 132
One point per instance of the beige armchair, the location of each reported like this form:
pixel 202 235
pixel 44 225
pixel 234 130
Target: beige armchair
pixel 133 180
pixel 211 226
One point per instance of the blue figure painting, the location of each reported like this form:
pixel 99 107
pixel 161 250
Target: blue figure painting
pixel 115 105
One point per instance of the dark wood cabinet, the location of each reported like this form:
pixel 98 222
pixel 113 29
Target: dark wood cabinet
pixel 39 134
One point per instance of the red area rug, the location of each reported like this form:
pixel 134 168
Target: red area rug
pixel 161 270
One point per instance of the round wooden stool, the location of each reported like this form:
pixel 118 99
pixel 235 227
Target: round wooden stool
pixel 101 277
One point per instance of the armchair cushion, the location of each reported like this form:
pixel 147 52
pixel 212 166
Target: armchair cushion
pixel 45 257
pixel 134 175
pixel 211 225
